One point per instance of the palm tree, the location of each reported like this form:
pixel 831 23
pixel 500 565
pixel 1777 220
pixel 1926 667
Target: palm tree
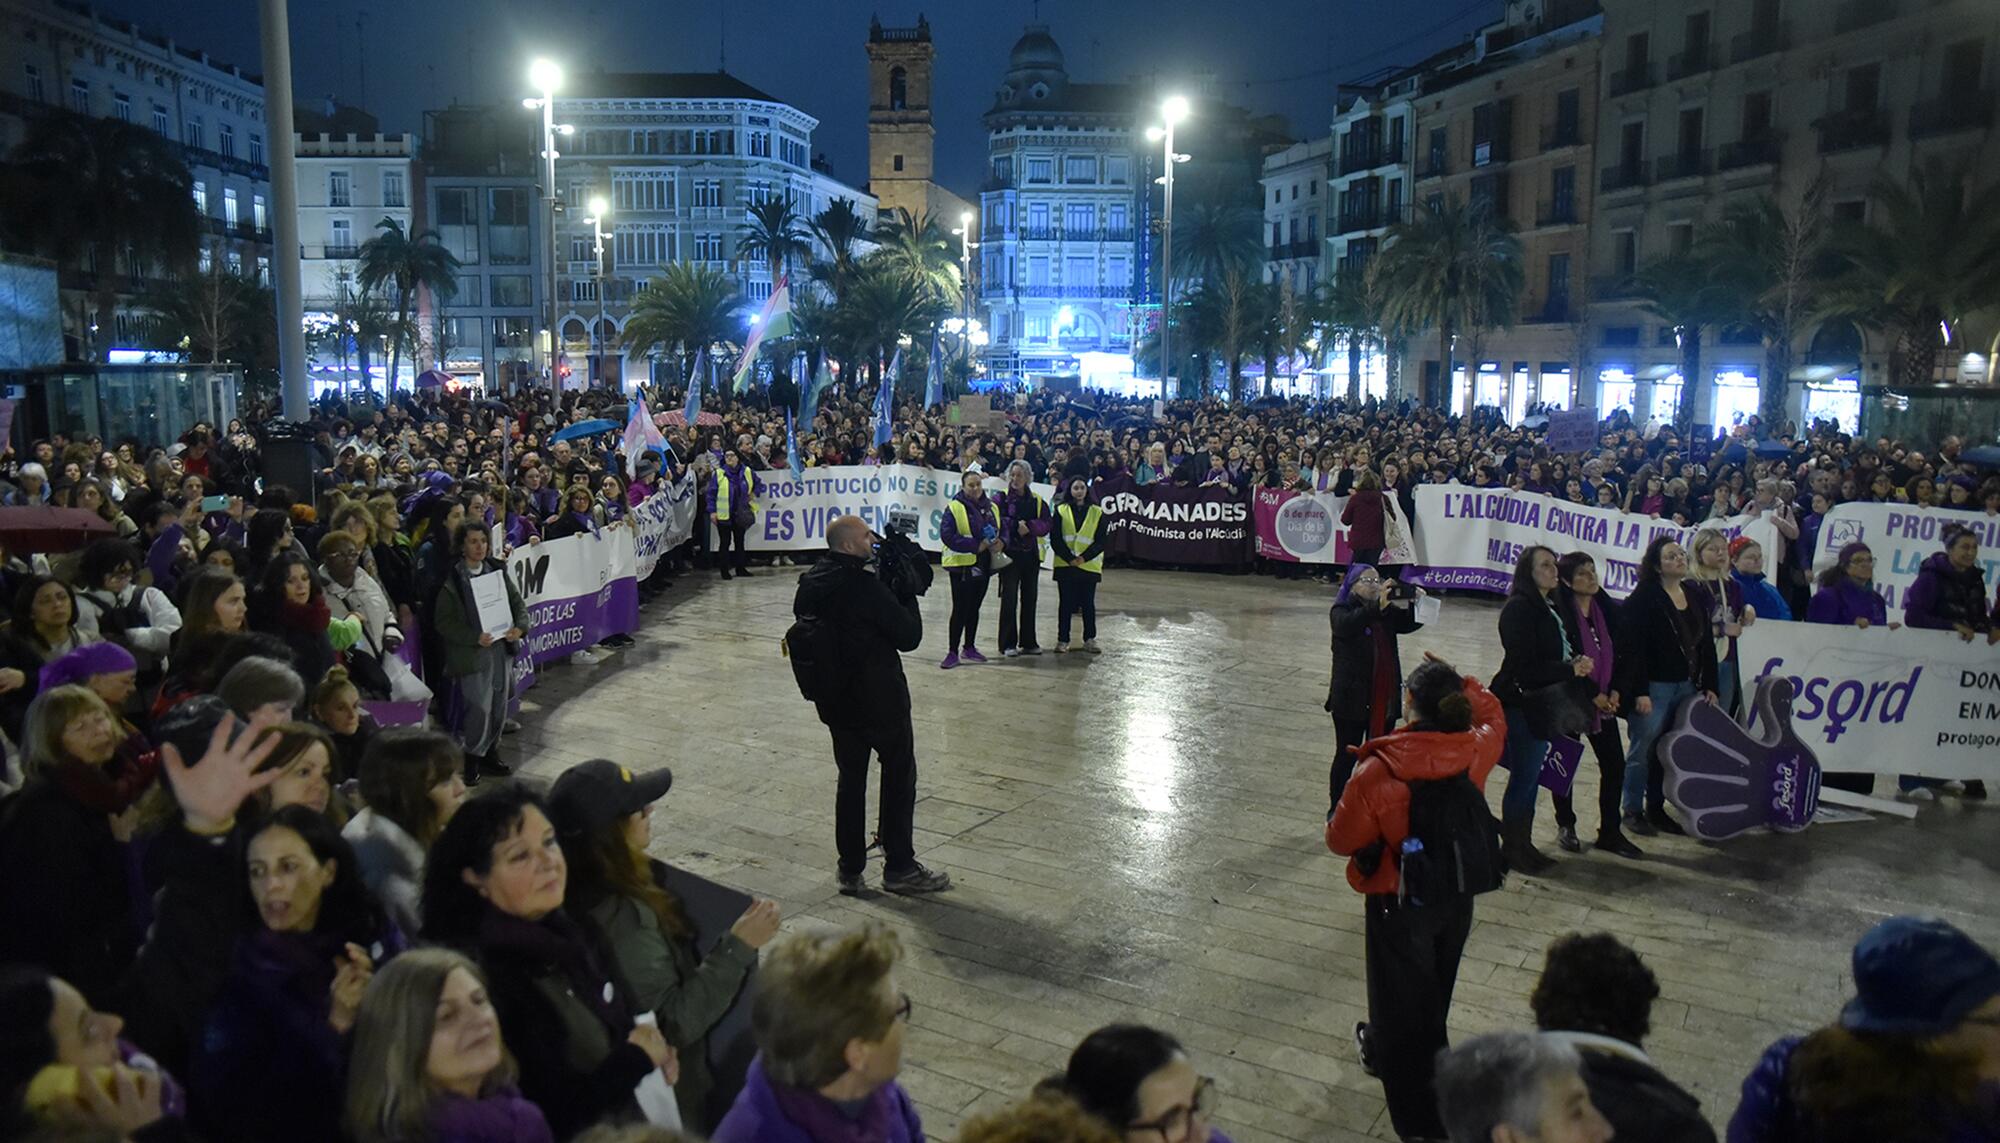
pixel 915 248
pixel 1214 237
pixel 1454 268
pixel 1351 314
pixel 882 305
pixel 408 263
pixel 688 307
pixel 775 233
pixel 839 229
pixel 1229 315
pixel 1685 292
pixel 1931 260
pixel 104 189
pixel 1771 260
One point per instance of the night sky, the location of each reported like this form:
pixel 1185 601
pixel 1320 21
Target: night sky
pixel 1281 56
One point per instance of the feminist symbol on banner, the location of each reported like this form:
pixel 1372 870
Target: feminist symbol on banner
pixel 1727 779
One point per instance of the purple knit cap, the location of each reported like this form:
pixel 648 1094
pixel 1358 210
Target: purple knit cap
pixel 86 661
pixel 1848 552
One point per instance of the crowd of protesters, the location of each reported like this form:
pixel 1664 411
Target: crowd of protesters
pixel 235 908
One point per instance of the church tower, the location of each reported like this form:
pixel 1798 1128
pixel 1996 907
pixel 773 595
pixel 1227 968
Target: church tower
pixel 900 134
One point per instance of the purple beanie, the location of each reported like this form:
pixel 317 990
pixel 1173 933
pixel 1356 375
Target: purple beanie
pixel 1848 552
pixel 91 659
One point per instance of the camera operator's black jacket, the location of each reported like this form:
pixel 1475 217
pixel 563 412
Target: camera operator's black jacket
pixel 874 629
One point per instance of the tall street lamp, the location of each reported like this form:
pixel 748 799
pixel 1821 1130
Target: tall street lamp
pixel 1172 111
pixel 545 76
pixel 598 209
pixel 965 245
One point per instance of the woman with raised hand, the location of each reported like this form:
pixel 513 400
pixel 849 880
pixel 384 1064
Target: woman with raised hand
pixel 603 813
pixel 439 1067
pixel 272 1055
pixel 495 883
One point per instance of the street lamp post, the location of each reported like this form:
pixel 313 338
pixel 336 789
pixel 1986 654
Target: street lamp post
pixel 1172 111
pixel 545 76
pixel 598 209
pixel 965 245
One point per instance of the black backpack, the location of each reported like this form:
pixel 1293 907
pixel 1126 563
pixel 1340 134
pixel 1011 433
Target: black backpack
pixel 1453 849
pixel 813 646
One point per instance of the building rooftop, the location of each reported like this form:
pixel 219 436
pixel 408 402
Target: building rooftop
pixel 156 39
pixel 665 85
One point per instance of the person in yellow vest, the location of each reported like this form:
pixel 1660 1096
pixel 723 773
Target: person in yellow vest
pixel 1024 530
pixel 1078 540
pixel 971 534
pixel 730 507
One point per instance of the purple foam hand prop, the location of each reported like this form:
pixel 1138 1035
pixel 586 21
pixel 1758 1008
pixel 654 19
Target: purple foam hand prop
pixel 1727 779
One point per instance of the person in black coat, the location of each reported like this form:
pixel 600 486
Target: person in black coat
pixel 1672 659
pixel 870 712
pixel 1596 995
pixel 1591 620
pixel 291 603
pixel 1365 693
pixel 1536 655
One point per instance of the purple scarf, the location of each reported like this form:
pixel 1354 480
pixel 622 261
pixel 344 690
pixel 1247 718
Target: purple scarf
pixel 1595 635
pixel 502 1117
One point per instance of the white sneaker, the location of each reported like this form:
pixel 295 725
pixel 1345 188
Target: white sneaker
pixel 589 657
pixel 1062 648
pixel 1091 646
pixel 1011 653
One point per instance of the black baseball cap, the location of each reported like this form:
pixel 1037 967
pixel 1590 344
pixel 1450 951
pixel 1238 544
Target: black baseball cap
pixel 594 794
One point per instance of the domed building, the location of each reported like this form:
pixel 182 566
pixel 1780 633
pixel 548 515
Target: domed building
pixel 1060 264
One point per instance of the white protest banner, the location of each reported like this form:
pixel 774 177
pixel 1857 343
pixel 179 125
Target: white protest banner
pixel 1471 537
pixel 1305 527
pixel 1902 537
pixel 792 514
pixel 578 590
pixel 1908 701
pixel 666 520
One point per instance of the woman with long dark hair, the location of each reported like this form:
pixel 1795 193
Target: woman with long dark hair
pixel 1592 622
pixel 1455 729
pixel 1536 684
pixel 411 785
pixel 603 813
pixel 477 662
pixel 41 628
pixel 1672 660
pixel 290 603
pixel 494 888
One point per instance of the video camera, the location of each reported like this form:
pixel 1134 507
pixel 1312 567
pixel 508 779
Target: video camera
pixel 899 563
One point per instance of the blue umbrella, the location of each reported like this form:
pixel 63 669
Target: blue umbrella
pixel 584 429
pixel 1985 455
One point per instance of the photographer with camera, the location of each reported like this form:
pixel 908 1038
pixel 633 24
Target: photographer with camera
pixel 846 649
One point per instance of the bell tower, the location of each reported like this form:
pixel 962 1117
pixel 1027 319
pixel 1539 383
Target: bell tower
pixel 900 134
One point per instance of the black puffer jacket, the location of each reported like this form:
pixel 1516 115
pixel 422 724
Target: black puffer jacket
pixel 1943 597
pixel 875 628
pixel 1355 625
pixel 1643 1105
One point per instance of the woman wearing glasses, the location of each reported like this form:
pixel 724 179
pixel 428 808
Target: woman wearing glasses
pixel 1365 694
pixel 1139 1081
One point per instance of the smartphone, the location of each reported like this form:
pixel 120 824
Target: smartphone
pixel 1400 590
pixel 215 503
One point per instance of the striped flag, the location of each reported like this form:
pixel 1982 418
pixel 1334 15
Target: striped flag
pixel 773 321
pixel 693 409
pixel 815 388
pixel 885 414
pixel 640 435
pixel 934 375
pixel 792 446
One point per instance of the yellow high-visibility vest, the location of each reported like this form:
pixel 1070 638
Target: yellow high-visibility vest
pixel 963 520
pixel 1077 539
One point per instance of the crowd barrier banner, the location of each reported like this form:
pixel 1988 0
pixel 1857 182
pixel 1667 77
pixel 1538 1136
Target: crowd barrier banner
pixel 666 520
pixel 1165 524
pixel 1907 701
pixel 1471 537
pixel 578 590
pixel 793 513
pixel 1902 536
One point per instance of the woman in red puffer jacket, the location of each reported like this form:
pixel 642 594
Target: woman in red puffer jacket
pixel 1413 949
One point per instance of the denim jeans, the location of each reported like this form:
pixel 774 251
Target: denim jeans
pixel 1646 730
pixel 1524 754
pixel 1727 673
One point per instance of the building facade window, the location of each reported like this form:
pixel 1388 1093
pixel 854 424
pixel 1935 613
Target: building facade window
pixel 1080 274
pixel 339 191
pixel 160 126
pixel 1118 221
pixel 225 137
pixel 1117 170
pixel 641 247
pixel 393 193
pixel 511 291
pixel 79 96
pixel 643 191
pixel 258 219
pixel 458 223
pixel 507 226
pixel 263 270
pixel 1038 220
pixel 121 107
pixel 1079 220
pixel 256 148
pixel 1038 273
pixel 192 133
pixel 35 91
pixel 1041 170
pixel 1080 169
pixel 760 144
pixel 201 198
pixel 229 207
pixel 708 247
pixel 340 239
pixel 708 192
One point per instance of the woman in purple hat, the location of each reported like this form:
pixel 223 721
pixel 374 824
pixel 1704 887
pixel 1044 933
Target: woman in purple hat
pixel 1847 591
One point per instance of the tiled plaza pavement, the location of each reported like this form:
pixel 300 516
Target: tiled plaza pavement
pixel 1137 836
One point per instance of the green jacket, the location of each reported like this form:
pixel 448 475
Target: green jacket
pixel 457 620
pixel 688 995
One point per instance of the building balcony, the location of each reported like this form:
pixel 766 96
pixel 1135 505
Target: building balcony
pixel 1303 248
pixel 1632 79
pixel 1962 111
pixel 1039 233
pixel 1686 165
pixel 1757 152
pixel 1759 42
pixel 1560 134
pixel 997 183
pixel 1625 176
pixel 1079 292
pixel 1696 59
pixel 1486 152
pixel 1277 253
pixel 1549 213
pixel 229 164
pixel 1555 311
pixel 1361 159
pixel 1435 167
pixel 1854 15
pixel 1852 130
pixel 343 253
